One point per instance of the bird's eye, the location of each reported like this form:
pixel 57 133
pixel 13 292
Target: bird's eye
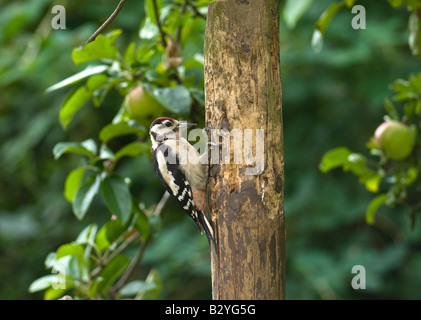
pixel 167 124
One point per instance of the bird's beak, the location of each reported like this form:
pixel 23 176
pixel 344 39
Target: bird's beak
pixel 185 125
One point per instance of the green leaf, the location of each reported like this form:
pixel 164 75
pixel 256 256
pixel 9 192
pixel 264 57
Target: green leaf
pixel 90 145
pixel 317 41
pixel 404 90
pixel 89 71
pixel 356 163
pixel 327 16
pixel 148 31
pixel 294 10
pixel 95 82
pixel 129 55
pixel 410 176
pixel 87 235
pixel 54 294
pixel 409 109
pixel 112 271
pixel 390 109
pixel 114 230
pixel 105 153
pixel 85 194
pixel 42 283
pixel 198 95
pixel 401 85
pixel 349 3
pixel 73 104
pixel 93 289
pixel 117 197
pixel 153 278
pixel 177 99
pixel 114 130
pixel 371 181
pixel 50 260
pixel 109 233
pixel 80 97
pixel 99 95
pixel 86 238
pixel 203 3
pixel 53 283
pixel 138 288
pixel 75 260
pixel 101 240
pixel 414 33
pixel 103 47
pixel 73 182
pixel 334 158
pixel 373 206
pixel 395 4
pixel 192 37
pixel 133 149
pixel 418 106
pixel 415 81
pixel 150 11
pixel 142 222
pixel 70 249
pixel 87 148
pixel 68 266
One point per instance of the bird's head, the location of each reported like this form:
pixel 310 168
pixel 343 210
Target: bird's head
pixel 166 128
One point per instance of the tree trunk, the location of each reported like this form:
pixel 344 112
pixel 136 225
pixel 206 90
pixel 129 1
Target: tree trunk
pixel 243 91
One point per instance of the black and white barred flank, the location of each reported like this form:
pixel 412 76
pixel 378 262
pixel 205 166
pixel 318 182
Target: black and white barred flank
pixel 177 185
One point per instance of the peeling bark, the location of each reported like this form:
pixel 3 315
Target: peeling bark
pixel 243 91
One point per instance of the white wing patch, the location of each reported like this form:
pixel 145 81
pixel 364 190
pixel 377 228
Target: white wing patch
pixel 166 175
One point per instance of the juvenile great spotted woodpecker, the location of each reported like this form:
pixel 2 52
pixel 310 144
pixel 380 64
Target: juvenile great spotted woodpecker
pixel 184 179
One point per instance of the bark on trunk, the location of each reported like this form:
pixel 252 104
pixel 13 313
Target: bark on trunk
pixel 243 91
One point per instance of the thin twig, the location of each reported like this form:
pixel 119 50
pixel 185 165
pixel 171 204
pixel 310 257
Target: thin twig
pixel 130 268
pixel 158 23
pixel 107 22
pixel 161 203
pixel 182 12
pixel 196 11
pixel 123 279
pixel 115 253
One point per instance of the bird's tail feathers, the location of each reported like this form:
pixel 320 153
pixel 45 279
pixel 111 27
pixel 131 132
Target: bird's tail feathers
pixel 204 222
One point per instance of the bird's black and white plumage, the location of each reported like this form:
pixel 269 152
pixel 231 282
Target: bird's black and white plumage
pixel 184 180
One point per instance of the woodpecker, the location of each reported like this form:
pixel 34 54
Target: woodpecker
pixel 185 180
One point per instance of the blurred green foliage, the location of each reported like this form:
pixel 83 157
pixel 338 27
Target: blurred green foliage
pixel 59 157
pixel 399 173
